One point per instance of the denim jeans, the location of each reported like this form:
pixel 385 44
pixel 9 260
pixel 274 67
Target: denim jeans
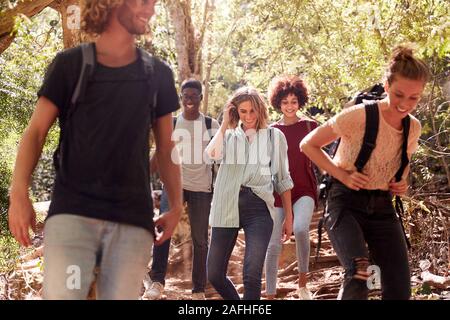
pixel 75 245
pixel 303 210
pixel 255 219
pixel 363 224
pixel 199 205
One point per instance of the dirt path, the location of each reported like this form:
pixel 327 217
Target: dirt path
pixel 25 282
pixel 324 282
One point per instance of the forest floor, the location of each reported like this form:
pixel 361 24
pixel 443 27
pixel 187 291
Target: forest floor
pixel 325 277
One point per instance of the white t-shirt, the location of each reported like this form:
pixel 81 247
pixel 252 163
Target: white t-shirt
pixel 191 138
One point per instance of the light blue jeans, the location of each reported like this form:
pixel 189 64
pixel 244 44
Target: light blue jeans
pixel 75 245
pixel 303 210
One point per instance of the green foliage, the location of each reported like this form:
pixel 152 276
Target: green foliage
pixel 43 178
pixel 5 173
pixel 8 247
pixel 22 68
pixel 338 47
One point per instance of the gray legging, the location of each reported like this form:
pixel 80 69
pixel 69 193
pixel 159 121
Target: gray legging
pixel 303 210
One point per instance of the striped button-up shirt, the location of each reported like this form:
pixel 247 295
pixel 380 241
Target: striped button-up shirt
pixel 261 165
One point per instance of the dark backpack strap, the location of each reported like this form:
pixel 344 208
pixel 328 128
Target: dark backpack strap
pixel 87 68
pixel 370 135
pixel 271 148
pixel 149 69
pixel 86 71
pixel 208 124
pixel 174 121
pixel 406 121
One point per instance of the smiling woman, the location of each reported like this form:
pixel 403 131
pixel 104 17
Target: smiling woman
pixel 369 227
pixel 243 193
pixel 406 77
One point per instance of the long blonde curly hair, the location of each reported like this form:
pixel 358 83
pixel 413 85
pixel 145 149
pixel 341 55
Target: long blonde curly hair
pixel 96 14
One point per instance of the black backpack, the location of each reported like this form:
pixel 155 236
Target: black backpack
pixel 87 69
pixel 374 93
pixel 368 145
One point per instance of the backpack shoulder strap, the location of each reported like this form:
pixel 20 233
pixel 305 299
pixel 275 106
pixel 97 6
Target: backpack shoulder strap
pixel 208 124
pixel 174 121
pixel 406 121
pixel 272 147
pixel 370 135
pixel 86 71
pixel 149 69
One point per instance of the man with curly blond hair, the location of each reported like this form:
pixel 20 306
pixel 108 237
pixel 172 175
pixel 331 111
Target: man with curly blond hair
pixel 101 210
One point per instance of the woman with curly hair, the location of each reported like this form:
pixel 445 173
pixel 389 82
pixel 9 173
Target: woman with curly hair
pixel 101 210
pixel 287 94
pixel 360 218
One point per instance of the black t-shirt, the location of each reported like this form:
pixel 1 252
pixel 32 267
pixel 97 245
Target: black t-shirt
pixel 105 171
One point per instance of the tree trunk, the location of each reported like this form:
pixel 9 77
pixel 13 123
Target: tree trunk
pixel 206 91
pixel 180 14
pixel 5 42
pixel 70 19
pixel 189 42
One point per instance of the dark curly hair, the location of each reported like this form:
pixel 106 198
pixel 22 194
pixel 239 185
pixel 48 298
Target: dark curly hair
pixel 282 86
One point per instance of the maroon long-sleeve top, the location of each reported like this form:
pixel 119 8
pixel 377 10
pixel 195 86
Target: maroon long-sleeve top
pixel 300 167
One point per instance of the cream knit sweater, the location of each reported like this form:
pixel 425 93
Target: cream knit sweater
pixel 386 157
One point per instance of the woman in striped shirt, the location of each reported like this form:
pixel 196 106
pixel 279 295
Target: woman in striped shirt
pixel 253 162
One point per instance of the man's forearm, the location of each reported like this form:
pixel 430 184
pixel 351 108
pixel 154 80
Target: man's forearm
pixel 30 149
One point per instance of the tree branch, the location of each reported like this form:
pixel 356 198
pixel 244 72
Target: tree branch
pixel 28 8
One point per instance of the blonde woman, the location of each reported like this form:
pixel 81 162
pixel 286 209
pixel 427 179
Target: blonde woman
pixel 254 159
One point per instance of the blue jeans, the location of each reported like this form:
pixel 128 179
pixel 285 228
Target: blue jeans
pixel 363 224
pixel 255 219
pixel 199 205
pixel 303 210
pixel 75 245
